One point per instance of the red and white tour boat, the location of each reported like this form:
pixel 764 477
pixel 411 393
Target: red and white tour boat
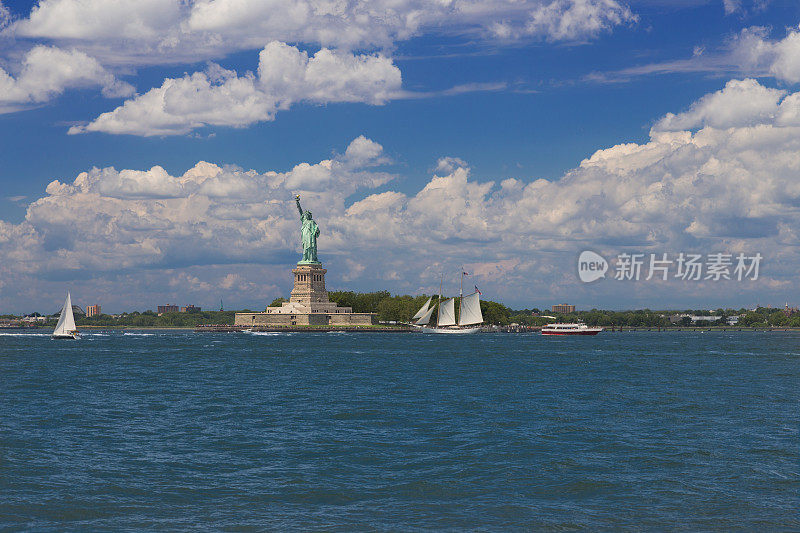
pixel 570 329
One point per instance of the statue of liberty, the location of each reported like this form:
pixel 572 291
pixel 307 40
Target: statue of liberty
pixel 309 231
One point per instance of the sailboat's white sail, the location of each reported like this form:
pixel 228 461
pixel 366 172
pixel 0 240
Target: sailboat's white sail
pixel 66 322
pixel 424 309
pixel 447 313
pixel 424 319
pixel 470 310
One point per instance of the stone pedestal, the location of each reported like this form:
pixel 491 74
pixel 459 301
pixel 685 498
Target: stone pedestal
pixel 309 284
pixel 308 305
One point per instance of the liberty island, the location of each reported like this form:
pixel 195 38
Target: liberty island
pixel 308 304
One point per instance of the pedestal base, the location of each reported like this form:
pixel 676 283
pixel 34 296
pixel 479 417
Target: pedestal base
pixel 308 305
pixel 309 284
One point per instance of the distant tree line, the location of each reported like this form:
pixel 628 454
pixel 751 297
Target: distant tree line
pixel 166 320
pixel 400 308
pixel 768 316
pixel 761 317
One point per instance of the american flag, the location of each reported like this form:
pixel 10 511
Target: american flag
pixel 476 290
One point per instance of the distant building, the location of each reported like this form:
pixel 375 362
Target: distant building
pixel 169 308
pixel 92 310
pixel 563 308
pixel 190 309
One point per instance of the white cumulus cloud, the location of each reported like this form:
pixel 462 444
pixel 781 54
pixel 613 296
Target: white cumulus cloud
pixel 138 219
pixel 739 103
pixel 563 20
pixel 220 97
pixel 46 71
pixel 725 182
pixel 779 58
pixel 153 31
pixel 355 38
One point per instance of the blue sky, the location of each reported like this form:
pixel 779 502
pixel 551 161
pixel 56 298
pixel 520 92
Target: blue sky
pixel 417 135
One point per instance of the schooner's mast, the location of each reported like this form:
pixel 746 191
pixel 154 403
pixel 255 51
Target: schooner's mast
pixel 461 292
pixel 439 311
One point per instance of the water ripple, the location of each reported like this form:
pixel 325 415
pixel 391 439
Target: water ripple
pixel 173 430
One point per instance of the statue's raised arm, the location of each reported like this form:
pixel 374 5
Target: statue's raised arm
pixel 297 199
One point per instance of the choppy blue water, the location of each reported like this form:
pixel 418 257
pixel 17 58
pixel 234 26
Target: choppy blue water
pixel 182 431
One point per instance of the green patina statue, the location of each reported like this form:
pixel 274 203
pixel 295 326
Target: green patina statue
pixel 309 231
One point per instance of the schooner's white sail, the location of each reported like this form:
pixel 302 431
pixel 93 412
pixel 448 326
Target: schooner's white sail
pixel 447 313
pixel 470 315
pixel 423 310
pixel 424 319
pixel 470 310
pixel 66 322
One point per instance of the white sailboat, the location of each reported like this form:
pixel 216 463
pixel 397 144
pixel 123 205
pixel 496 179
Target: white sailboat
pixel 469 315
pixel 65 329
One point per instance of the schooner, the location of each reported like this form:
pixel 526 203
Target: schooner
pixel 469 315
